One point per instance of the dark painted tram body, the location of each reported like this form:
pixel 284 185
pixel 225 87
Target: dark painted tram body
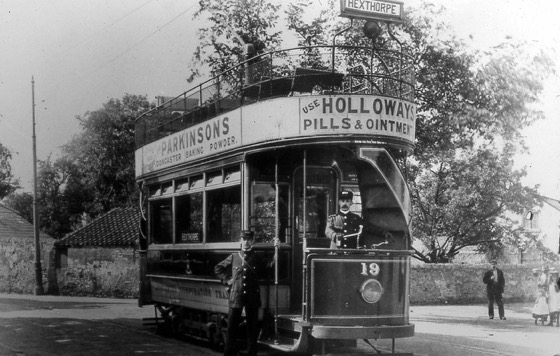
pixel 267 146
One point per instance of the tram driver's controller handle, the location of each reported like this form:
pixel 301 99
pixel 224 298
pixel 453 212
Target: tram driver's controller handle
pixel 357 234
pixel 388 236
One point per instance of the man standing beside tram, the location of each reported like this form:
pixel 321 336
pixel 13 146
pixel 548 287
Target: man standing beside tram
pixel 344 228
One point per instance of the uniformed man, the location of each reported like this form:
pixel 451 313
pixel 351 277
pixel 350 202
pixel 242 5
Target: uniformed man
pixel 345 223
pixel 240 272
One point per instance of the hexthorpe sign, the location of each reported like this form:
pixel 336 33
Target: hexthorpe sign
pixel 381 10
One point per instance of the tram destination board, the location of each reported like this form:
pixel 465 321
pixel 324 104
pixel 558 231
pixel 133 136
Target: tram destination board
pixel 391 11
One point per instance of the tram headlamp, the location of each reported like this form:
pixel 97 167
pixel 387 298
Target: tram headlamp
pixel 371 291
pixel 372 30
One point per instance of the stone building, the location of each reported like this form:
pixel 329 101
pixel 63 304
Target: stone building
pixel 17 254
pixel 100 259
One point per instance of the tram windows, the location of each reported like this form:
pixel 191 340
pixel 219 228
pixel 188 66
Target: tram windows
pixel 162 221
pixel 214 178
pixel 232 175
pixel 316 217
pixel 223 214
pixel 197 182
pixel 188 217
pixel 263 216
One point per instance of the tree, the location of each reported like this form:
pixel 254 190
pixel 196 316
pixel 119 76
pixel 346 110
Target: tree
pixel 101 157
pixel 7 182
pixel 94 174
pixel 472 107
pixel 232 24
pixel 22 203
pixel 60 206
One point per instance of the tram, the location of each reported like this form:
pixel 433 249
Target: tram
pixel 267 146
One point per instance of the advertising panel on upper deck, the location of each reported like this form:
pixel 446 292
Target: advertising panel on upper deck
pixel 354 114
pixel 354 118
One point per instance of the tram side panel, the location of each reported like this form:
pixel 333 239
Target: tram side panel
pixel 186 278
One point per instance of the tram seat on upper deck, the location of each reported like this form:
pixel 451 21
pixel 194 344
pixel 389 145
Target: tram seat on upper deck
pixel 306 79
pixel 267 88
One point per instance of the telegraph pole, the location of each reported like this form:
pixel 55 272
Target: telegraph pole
pixel 38 270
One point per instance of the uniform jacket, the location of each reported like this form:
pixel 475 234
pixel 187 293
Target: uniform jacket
pixel 347 224
pixel 240 271
pixel 494 286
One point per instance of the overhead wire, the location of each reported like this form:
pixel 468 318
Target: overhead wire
pixel 142 40
pixel 72 47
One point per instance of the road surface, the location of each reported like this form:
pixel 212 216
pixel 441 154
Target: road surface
pixel 52 325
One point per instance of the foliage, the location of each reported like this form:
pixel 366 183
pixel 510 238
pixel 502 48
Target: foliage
pixel 231 25
pixel 101 157
pixel 471 108
pixel 94 174
pixel 22 203
pixel 7 182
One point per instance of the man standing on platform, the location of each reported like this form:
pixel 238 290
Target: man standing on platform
pixel 241 271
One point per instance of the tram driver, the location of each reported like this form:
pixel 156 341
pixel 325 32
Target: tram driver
pixel 345 227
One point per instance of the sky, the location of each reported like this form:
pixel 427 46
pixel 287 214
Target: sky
pixel 82 53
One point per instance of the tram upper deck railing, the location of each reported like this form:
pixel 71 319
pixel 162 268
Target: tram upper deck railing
pixel 293 72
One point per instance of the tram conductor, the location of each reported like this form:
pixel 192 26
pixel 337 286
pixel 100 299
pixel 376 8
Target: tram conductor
pixel 343 228
pixel 240 272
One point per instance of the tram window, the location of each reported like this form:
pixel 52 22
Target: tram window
pixel 214 178
pixel 197 182
pixel 188 217
pixel 182 185
pixel 232 175
pixel 167 188
pixel 155 191
pixel 162 221
pixel 223 214
pixel 263 217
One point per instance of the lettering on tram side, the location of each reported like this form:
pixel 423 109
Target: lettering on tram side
pixel 166 288
pixel 215 135
pixel 377 115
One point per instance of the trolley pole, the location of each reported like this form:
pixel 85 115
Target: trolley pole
pixel 38 270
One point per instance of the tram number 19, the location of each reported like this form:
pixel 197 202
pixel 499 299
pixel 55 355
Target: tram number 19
pixel 371 269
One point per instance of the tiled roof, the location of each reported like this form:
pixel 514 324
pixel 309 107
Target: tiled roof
pixel 12 225
pixel 119 227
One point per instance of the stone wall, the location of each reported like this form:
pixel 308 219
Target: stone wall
pixel 17 265
pixel 113 272
pixel 100 272
pixel 462 283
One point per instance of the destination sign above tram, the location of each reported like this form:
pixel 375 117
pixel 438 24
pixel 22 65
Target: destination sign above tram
pixel 385 10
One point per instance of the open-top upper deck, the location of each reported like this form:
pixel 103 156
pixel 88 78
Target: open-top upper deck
pixel 319 92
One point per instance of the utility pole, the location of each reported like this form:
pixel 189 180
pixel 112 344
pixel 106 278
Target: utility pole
pixel 38 270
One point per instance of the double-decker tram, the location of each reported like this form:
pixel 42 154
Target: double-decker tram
pixel 267 146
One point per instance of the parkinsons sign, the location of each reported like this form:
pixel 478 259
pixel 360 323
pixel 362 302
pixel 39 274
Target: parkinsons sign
pixel 213 136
